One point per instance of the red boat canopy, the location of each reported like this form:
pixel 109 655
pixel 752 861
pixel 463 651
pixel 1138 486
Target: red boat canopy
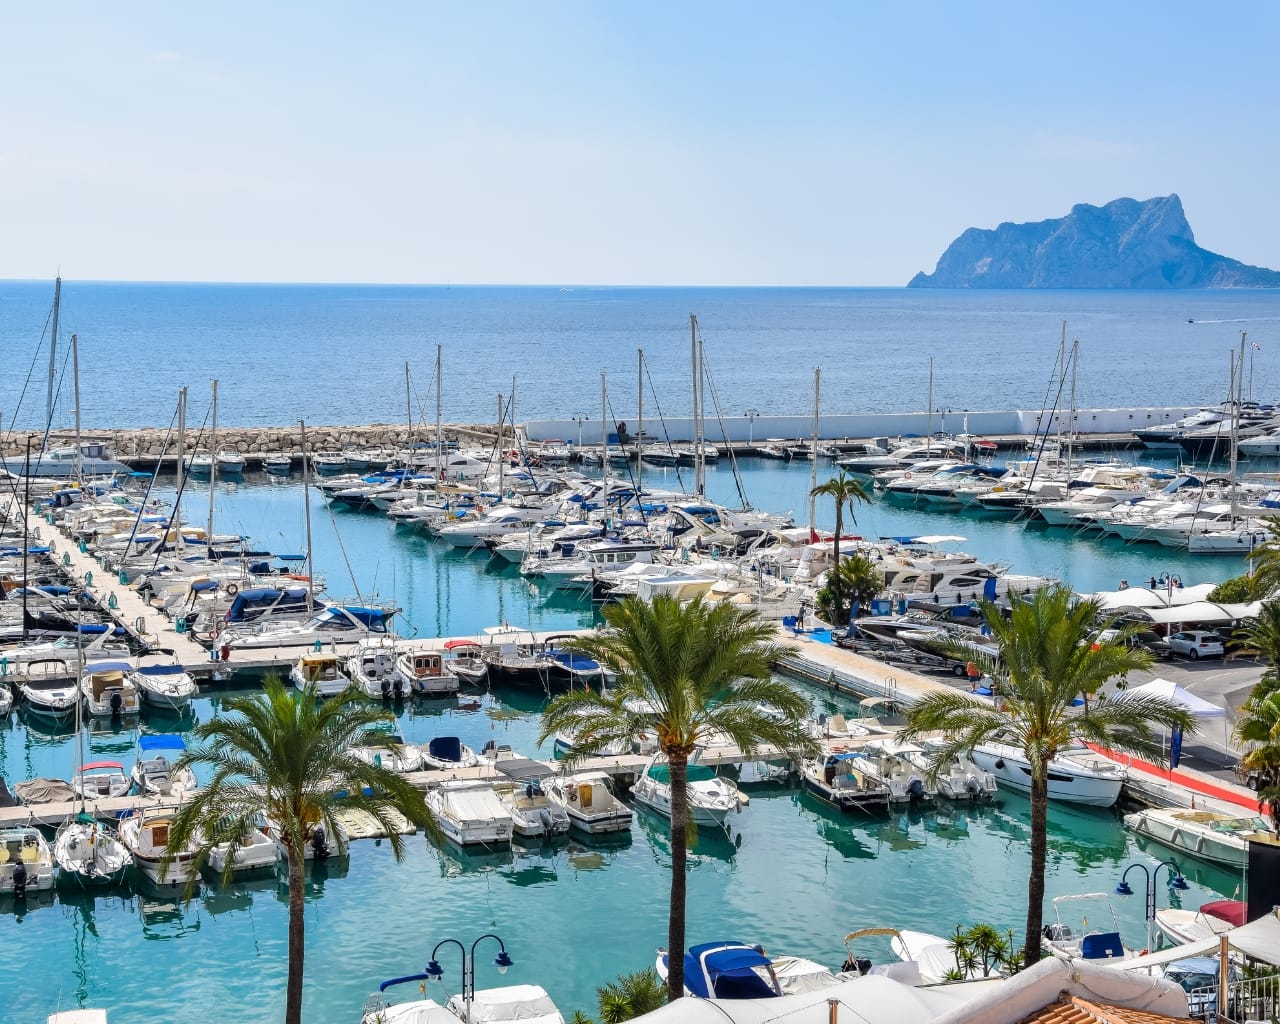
pixel 101 764
pixel 453 645
pixel 1234 912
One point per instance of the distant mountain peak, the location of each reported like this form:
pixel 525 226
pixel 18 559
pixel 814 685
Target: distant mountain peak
pixel 1128 243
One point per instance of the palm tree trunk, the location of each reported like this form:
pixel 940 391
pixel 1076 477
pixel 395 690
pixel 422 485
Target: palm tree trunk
pixel 297 922
pixel 679 767
pixel 838 589
pixel 1039 852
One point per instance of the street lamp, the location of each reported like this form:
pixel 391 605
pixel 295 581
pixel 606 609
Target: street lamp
pixel 435 972
pixel 751 415
pixel 578 419
pixel 1175 880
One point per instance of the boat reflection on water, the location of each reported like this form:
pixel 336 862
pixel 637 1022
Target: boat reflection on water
pixel 455 860
pixel 1212 877
pixel 239 893
pixel 165 912
pixel 535 861
pixel 707 844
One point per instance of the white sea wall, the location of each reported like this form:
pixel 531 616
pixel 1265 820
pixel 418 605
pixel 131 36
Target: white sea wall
pixel 863 425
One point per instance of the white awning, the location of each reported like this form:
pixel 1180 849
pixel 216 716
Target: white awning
pixel 1169 690
pixel 1197 611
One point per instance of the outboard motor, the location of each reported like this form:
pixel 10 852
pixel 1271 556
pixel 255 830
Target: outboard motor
pixel 117 704
pixel 399 688
pixel 974 789
pixel 319 843
pixel 19 881
pixel 386 688
pixel 915 790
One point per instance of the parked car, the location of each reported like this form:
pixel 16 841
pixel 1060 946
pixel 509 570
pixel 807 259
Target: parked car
pixel 1255 778
pixel 1197 643
pixel 1198 976
pixel 1143 640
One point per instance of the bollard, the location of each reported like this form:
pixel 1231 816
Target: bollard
pixel 4 667
pixel 66 558
pixel 88 578
pixel 180 624
pixel 83 546
pixel 317 646
pixel 111 601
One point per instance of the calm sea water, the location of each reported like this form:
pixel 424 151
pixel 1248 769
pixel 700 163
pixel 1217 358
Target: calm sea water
pixel 573 915
pixel 336 354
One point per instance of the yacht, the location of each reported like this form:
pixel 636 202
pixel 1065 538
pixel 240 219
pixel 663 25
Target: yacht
pixel 470 813
pixel 564 568
pixel 161 680
pixel 336 624
pixel 1077 775
pixel 1166 435
pixel 496 522
pixel 588 799
pixel 91 458
pixel 711 798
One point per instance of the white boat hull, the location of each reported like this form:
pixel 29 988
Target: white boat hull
pixel 1068 782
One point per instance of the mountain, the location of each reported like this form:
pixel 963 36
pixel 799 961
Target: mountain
pixel 1125 244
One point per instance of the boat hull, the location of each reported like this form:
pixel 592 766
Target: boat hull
pixel 1067 783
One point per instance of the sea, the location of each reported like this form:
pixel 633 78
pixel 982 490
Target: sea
pixel 575 914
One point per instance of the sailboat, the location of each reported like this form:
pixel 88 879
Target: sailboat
pixel 88 852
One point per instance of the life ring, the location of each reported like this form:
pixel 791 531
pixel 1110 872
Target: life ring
pixel 1136 488
pixel 232 590
pixel 906 475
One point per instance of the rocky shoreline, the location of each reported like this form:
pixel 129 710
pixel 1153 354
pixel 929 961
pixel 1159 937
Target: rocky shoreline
pixel 155 443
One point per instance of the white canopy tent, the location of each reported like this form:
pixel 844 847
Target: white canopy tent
pixel 1199 707
pixel 1147 597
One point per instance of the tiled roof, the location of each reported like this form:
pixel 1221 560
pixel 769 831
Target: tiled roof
pixel 1071 1009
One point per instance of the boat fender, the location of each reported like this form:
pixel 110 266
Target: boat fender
pixel 1000 763
pixel 232 590
pixel 906 475
pixel 140 624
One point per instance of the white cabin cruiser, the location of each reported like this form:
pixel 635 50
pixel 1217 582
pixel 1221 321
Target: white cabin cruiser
pixel 427 673
pixel 335 624
pixel 108 691
pixel 145 832
pixel 373 667
pixel 1076 776
pixel 161 680
pixel 323 671
pixel 470 813
pixel 711 798
pixel 1212 836
pixel 589 800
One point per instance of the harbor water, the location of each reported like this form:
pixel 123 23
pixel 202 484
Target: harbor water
pixel 575 914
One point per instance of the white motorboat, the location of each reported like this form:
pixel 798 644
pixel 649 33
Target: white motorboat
pixel 100 780
pixel 256 852
pixel 154 773
pixel 89 853
pixel 324 671
pixel 446 753
pixel 711 798
pixel 427 673
pixel 49 687
pixel 464 659
pixel 900 769
pixel 735 970
pixel 6 701
pixel 588 799
pixel 397 756
pixel 320 845
pixel 277 463
pixel 1076 776
pixel 108 690
pixel 145 832
pixel 959 778
pixel 26 862
pixel 843 780
pixel 527 1004
pixel 469 812
pixel 1070 940
pixel 533 814
pixel 1211 920
pixel 335 624
pixel 230 461
pixel 1206 835
pixel 372 667
pixel 161 680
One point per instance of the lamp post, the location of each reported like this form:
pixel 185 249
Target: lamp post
pixel 578 419
pixel 1175 879
pixel 751 415
pixel 435 972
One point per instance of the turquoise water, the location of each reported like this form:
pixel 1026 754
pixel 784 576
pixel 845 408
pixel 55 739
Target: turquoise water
pixel 573 915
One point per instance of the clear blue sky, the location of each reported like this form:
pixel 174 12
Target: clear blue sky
pixel 612 142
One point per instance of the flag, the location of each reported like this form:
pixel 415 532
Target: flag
pixel 1175 748
pixel 1255 346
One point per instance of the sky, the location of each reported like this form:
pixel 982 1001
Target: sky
pixel 645 143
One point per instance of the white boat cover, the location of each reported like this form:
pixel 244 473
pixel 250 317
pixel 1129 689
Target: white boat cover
pixel 420 1011
pixel 473 803
pixel 1169 690
pixel 1259 939
pixel 511 1002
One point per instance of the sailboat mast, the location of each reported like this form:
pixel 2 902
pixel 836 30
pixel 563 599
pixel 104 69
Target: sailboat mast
pixel 813 467
pixel 604 439
pixel 699 483
pixel 213 466
pixel 1235 420
pixel 182 459
pixel 53 354
pixel 306 508
pixel 75 378
pixel 929 411
pixel 502 455
pixel 408 406
pixel 439 432
pixel 639 417
pixel 1071 413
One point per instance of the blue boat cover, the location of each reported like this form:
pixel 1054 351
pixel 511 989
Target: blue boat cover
pixel 161 741
pixel 575 662
pixel 162 670
pixel 446 748
pixel 726 970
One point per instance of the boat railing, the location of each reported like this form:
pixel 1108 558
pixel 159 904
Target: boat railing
pixel 1252 999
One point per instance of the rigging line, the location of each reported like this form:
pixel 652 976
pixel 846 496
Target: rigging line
pixel 631 476
pixel 184 477
pixel 715 400
pixel 661 419
pixel 13 420
pixel 341 547
pixel 142 505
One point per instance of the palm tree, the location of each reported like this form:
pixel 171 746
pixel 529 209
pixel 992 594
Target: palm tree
pixel 701 669
pixel 857 578
pixel 844 490
pixel 1047 658
pixel 290 757
pixel 1259 727
pixel 1262 639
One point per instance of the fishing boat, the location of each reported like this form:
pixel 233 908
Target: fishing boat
pixel 427 673
pixel 161 680
pixel 1077 775
pixel 735 970
pixel 373 668
pixel 446 753
pixel 711 798
pixel 323 671
pixel 588 799
pixel 1206 835
pixel 26 862
pixel 842 780
pixel 154 773
pixel 1085 941
pixel 1211 920
pixel 469 813
pixel 145 832
pixel 108 690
